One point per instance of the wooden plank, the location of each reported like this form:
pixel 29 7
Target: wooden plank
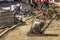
pixel 4 32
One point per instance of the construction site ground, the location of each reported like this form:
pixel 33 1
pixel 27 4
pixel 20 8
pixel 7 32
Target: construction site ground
pixel 20 32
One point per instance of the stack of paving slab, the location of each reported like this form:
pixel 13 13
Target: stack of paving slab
pixel 6 18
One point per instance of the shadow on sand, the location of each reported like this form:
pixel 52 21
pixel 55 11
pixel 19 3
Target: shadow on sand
pixel 43 35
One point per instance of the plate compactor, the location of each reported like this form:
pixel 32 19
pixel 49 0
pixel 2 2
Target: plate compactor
pixel 39 26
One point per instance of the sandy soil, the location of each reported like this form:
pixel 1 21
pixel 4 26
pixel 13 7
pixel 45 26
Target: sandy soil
pixel 20 33
pixel 58 3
